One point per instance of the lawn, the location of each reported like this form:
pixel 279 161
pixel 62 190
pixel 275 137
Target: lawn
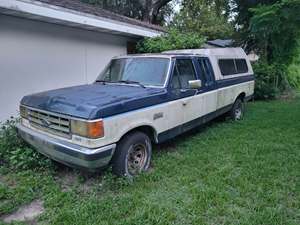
pixel 245 172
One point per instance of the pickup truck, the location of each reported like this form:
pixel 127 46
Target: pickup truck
pixel 136 101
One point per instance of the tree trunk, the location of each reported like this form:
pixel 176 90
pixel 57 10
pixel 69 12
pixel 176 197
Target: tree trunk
pixel 148 12
pixel 151 9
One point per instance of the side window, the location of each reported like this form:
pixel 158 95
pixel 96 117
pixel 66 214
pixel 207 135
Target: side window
pixel 241 65
pixel 183 73
pixel 175 80
pixel 227 67
pixel 203 70
pixel 206 71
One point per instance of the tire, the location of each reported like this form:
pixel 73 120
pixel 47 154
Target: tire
pixel 132 155
pixel 238 110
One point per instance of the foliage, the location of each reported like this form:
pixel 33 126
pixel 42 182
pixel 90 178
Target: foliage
pixel 293 75
pixel 15 153
pixel 270 80
pixel 171 40
pixel 241 16
pixel 204 17
pixel 153 11
pixel 293 71
pixel 227 173
pixel 276 29
pixel 269 23
pixel 261 23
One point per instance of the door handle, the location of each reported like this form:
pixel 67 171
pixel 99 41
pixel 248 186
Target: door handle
pixel 184 103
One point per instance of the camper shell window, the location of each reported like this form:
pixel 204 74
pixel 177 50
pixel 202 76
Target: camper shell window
pixel 241 65
pixel 233 66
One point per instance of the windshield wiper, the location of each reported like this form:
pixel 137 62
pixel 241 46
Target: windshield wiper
pixel 121 81
pixel 131 82
pixel 102 81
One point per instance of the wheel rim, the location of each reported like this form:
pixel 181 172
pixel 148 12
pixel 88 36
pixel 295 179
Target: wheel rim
pixel 137 158
pixel 238 113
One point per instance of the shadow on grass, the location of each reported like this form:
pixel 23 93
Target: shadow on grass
pixel 170 145
pixel 67 177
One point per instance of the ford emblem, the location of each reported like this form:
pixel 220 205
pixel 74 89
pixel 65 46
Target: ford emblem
pixel 45 122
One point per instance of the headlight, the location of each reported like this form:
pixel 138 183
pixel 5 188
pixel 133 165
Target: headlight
pixel 23 111
pixel 87 129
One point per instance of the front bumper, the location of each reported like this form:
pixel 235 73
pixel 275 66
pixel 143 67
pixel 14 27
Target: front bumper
pixel 67 153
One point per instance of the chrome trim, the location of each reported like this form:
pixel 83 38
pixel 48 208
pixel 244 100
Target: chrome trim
pixel 75 139
pixel 48 131
pixel 168 73
pixel 65 152
pixel 55 124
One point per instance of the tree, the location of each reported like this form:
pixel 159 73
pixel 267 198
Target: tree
pixel 272 29
pixel 152 11
pixel 171 40
pixel 276 29
pixel 206 17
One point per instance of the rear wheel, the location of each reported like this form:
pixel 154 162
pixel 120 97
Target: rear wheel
pixel 133 155
pixel 238 110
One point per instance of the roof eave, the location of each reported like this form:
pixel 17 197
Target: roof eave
pixel 54 14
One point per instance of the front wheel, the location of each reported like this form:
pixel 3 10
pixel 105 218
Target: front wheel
pixel 133 155
pixel 238 110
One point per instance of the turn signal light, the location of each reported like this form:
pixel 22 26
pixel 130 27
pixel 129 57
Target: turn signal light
pixel 87 129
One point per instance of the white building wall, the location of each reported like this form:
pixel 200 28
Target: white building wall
pixel 37 56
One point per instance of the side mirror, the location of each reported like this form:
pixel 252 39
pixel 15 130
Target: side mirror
pixel 195 84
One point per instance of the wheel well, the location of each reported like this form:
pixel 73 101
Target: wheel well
pixel 148 130
pixel 241 96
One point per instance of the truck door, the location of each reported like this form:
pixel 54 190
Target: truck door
pixel 180 93
pixel 198 108
pixel 209 91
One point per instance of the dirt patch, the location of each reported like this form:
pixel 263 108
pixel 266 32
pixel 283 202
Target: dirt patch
pixel 5 180
pixel 88 184
pixel 26 213
pixel 288 95
pixel 69 179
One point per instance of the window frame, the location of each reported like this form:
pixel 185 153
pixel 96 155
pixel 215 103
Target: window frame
pixel 242 59
pixel 210 77
pixel 175 59
pixel 235 66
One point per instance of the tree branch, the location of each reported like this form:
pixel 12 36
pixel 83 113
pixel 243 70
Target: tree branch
pixel 160 3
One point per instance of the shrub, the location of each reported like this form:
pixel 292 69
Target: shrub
pixel 270 80
pixel 293 75
pixel 293 71
pixel 169 41
pixel 15 153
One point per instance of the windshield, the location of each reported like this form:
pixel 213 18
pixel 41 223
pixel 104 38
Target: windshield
pixel 142 70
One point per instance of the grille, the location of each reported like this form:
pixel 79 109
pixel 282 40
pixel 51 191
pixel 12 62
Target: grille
pixel 54 124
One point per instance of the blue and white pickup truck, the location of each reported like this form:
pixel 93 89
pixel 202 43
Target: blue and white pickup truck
pixel 136 101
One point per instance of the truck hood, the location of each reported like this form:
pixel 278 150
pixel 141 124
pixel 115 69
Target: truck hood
pixel 95 101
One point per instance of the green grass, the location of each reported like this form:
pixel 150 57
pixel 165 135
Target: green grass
pixel 245 172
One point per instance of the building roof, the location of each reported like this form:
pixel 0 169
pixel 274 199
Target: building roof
pixel 78 14
pixel 79 6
